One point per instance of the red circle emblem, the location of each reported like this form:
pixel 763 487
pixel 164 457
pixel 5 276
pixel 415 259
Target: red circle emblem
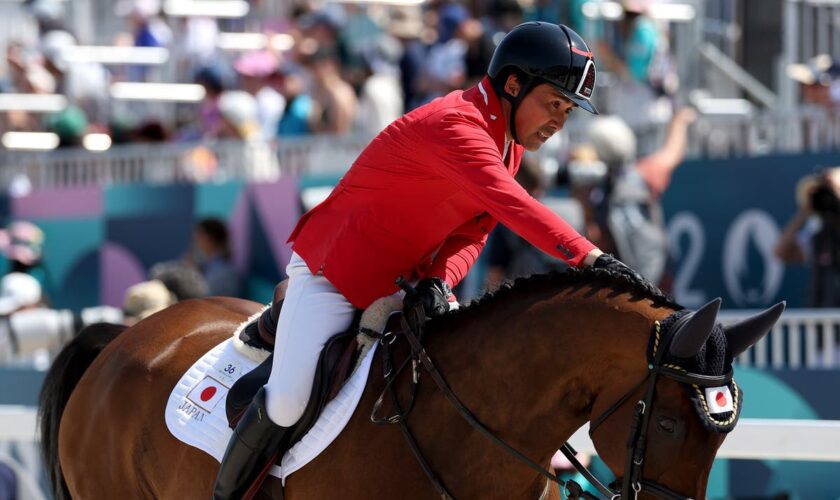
pixel 720 398
pixel 209 392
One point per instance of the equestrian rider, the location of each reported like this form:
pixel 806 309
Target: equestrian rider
pixel 419 202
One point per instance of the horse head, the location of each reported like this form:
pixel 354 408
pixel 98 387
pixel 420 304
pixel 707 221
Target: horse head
pixel 661 436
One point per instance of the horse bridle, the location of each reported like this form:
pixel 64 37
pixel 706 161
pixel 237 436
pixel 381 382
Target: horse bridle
pixel 632 482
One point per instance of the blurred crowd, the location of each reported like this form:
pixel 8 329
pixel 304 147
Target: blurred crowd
pixel 32 330
pixel 324 68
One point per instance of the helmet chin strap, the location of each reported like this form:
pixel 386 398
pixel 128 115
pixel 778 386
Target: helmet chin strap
pixel 526 85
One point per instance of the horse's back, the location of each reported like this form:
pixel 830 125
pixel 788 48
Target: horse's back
pixel 113 431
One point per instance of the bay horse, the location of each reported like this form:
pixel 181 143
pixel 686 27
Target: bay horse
pixel 533 361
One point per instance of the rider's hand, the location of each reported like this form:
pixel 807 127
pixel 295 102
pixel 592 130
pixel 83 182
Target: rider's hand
pixel 433 294
pixel 610 263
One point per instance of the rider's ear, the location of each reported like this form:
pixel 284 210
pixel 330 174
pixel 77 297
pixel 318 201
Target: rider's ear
pixel 743 334
pixel 695 330
pixel 512 85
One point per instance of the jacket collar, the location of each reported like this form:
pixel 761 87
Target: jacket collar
pixel 488 103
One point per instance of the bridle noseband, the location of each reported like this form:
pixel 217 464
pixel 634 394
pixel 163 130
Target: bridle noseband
pixel 632 482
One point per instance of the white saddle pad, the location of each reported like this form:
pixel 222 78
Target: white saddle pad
pixel 195 412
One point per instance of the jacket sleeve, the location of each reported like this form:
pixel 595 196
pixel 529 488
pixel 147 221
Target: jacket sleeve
pixel 460 250
pixel 476 167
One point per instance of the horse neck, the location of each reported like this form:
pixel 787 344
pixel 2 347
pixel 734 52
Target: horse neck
pixel 532 366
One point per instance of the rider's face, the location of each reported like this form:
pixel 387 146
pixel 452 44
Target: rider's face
pixel 540 115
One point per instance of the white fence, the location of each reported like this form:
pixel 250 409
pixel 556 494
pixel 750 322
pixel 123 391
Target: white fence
pixel 170 163
pixel 218 161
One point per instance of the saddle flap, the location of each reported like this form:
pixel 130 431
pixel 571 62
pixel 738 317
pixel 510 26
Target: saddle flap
pixel 333 368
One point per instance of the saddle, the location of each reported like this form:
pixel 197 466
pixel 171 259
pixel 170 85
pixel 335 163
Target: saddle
pixel 335 365
pixel 333 369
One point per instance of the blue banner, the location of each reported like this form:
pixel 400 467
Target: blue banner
pixel 724 219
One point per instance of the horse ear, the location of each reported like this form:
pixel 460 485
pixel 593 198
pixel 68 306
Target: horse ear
pixel 743 334
pixel 694 332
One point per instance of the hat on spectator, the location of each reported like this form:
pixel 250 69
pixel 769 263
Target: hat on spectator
pixel 53 44
pixel 185 282
pixel 214 77
pixel 405 22
pixel 147 298
pixel 822 70
pixel 613 140
pixel 47 10
pixel 18 290
pixel 239 109
pixel 451 17
pixel 259 63
pixel 69 124
pixel 23 242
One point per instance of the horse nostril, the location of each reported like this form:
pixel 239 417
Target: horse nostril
pixel 667 425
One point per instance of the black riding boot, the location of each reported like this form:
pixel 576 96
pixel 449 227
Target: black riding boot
pixel 252 450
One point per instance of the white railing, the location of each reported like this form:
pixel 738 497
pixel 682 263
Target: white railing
pixel 712 137
pixel 803 338
pixel 170 163
pixel 765 439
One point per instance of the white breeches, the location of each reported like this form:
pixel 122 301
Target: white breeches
pixel 312 312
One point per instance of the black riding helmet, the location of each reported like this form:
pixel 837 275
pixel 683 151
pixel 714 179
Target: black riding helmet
pixel 540 52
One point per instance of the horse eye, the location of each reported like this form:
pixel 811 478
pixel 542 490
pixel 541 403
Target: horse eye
pixel 666 424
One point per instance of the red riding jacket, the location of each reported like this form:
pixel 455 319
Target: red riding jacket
pixel 422 197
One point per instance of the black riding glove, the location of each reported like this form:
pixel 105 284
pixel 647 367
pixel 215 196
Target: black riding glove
pixel 610 263
pixel 433 294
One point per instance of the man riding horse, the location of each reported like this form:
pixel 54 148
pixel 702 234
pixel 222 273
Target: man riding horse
pixel 419 202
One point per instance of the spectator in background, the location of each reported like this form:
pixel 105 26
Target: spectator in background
pixel 49 14
pixel 240 120
pixel 812 236
pixel 24 75
pixel 18 292
pixel 84 84
pixel 147 30
pixel 585 174
pixel 297 117
pixel 380 95
pixel 254 70
pixel 144 299
pixel 31 331
pixel 502 16
pixel 211 254
pixel 642 62
pixel 445 66
pixel 626 199
pixel 240 115
pixel 819 83
pixel 406 25
pixel 22 243
pixel 209 121
pixel 183 280
pixel 334 100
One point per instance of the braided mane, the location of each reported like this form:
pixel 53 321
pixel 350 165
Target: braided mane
pixel 557 280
